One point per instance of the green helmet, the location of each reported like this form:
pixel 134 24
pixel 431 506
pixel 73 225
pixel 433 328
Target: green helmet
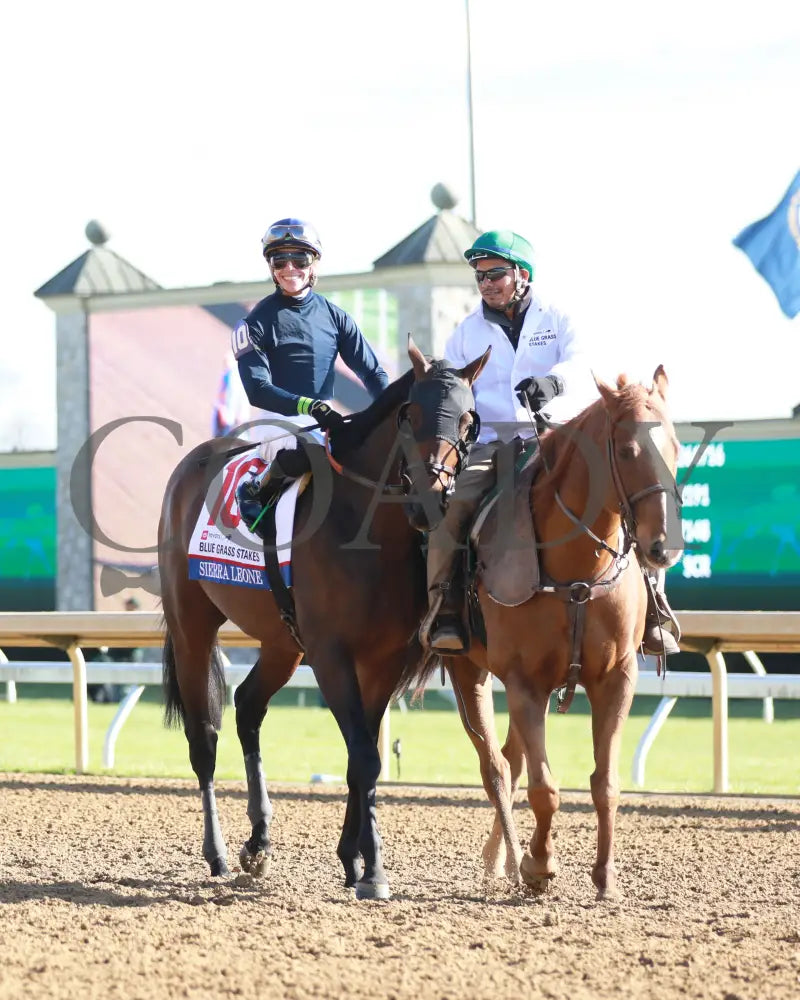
pixel 505 244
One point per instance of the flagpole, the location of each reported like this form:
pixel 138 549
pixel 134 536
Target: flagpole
pixel 473 215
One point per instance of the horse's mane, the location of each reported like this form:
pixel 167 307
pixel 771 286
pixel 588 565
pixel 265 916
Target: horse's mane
pixel 560 443
pixel 360 425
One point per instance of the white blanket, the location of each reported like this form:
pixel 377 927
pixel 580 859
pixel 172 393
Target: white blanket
pixel 222 549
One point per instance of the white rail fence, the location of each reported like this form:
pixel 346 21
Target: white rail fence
pixel 712 633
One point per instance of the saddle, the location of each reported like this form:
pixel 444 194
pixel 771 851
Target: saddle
pixel 256 499
pixel 502 538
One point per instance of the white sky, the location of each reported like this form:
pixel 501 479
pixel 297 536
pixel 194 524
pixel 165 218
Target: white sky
pixel 629 141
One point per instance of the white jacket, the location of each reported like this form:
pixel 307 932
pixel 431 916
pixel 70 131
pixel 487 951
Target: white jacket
pixel 547 346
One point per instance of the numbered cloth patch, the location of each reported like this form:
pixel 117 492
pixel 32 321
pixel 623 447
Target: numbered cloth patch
pixel 222 549
pixel 240 340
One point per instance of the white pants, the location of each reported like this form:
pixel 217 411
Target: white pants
pixel 274 436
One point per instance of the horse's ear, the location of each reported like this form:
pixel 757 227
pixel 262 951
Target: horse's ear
pixel 471 371
pixel 418 362
pixel 622 380
pixel 605 390
pixel 660 382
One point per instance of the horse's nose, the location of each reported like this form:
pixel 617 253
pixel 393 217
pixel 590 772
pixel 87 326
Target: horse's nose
pixel 419 516
pixel 658 552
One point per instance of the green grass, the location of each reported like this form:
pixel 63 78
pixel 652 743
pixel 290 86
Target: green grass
pixel 297 742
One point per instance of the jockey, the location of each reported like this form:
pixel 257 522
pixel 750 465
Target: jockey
pixel 536 356
pixel 286 348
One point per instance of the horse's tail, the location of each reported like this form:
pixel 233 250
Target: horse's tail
pixel 173 705
pixel 418 669
pixel 174 711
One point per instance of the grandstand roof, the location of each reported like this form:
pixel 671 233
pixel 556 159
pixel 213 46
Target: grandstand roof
pixel 441 240
pixel 99 271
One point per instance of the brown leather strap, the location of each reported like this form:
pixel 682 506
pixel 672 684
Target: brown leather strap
pixel 576 612
pixel 283 596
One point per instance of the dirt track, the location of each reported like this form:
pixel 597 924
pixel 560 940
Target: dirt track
pixel 103 893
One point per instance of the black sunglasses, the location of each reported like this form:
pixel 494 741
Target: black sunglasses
pixel 492 273
pixel 300 259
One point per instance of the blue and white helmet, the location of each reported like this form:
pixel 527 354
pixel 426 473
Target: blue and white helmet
pixel 291 234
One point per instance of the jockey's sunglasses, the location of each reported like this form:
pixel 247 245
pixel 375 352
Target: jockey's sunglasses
pixel 300 258
pixel 492 273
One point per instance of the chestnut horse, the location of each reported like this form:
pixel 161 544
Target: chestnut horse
pixel 359 592
pixel 601 491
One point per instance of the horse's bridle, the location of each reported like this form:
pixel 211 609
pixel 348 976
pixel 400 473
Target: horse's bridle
pixel 461 447
pixel 578 593
pixel 442 416
pixel 445 399
pixel 625 503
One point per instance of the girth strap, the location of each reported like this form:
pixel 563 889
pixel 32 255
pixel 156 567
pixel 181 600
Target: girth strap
pixel 577 619
pixel 282 594
pixel 576 596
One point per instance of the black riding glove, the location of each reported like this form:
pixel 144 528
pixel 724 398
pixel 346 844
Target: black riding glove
pixel 327 418
pixel 539 390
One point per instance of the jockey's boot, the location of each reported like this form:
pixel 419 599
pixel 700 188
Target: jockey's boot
pixel 448 633
pixel 248 498
pixel 661 628
pixel 444 629
pixel 254 496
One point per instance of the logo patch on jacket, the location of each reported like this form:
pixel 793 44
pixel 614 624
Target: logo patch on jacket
pixel 540 338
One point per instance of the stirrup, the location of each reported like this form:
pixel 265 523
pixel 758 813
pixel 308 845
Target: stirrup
pixel 449 640
pixel 427 622
pixel 660 622
pixel 443 629
pixel 662 644
pixel 661 632
pixel 666 616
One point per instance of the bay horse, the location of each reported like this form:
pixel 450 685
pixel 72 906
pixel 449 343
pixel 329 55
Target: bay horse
pixel 359 592
pixel 600 493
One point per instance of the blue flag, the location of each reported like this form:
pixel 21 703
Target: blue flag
pixel 773 246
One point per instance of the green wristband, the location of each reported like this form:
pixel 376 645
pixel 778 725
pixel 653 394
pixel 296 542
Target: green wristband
pixel 304 405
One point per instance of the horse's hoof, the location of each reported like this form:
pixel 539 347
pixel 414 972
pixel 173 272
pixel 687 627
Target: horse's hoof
pixel 373 890
pixel 535 879
pixel 494 863
pixel 608 895
pixel 540 885
pixel 512 870
pixel 353 872
pixel 254 864
pixel 219 868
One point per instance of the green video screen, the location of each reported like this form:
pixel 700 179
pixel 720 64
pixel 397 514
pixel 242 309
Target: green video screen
pixel 741 527
pixel 27 538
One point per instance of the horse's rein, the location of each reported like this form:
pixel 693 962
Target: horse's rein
pixel 396 489
pixel 618 557
pixel 625 503
pixel 388 489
